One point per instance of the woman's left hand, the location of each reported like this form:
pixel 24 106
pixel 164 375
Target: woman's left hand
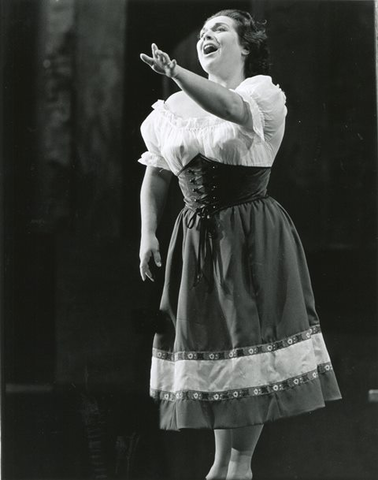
pixel 160 62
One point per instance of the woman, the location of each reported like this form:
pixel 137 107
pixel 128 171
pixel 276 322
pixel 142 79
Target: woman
pixel 242 343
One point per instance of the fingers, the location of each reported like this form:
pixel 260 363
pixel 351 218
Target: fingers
pixel 157 258
pixel 146 59
pixel 172 67
pixel 159 55
pixel 145 271
pixel 148 274
pixel 165 61
pixel 160 61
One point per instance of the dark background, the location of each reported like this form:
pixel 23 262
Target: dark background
pixel 77 320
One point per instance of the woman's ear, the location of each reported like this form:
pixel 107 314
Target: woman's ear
pixel 245 51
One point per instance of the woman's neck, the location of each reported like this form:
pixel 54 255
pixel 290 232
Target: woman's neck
pixel 232 81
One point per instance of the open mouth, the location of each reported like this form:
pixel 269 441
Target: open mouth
pixel 209 48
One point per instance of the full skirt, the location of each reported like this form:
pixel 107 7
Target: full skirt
pixel 243 345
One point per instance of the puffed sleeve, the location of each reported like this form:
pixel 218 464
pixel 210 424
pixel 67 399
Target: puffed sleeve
pixel 267 105
pixel 152 157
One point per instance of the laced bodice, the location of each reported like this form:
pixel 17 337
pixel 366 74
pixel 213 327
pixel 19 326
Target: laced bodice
pixel 209 187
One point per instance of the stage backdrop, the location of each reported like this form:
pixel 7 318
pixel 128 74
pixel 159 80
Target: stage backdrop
pixel 77 97
pixel 76 312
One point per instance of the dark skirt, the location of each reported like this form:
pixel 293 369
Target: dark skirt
pixel 242 346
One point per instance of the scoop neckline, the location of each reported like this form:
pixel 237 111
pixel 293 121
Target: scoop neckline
pixel 196 122
pixel 190 122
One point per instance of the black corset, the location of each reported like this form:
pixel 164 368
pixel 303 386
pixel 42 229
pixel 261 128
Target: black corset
pixel 209 186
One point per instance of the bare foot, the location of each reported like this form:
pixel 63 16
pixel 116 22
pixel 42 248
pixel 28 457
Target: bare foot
pixel 239 476
pixel 237 472
pixel 217 472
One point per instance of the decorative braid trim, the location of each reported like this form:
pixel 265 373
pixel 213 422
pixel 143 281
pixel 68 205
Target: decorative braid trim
pixel 243 392
pixel 237 352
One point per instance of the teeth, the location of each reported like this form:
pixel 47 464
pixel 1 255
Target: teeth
pixel 209 49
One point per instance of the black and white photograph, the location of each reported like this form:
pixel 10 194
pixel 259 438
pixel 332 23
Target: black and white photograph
pixel 189 239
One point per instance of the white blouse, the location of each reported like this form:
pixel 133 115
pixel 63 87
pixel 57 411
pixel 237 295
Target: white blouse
pixel 172 141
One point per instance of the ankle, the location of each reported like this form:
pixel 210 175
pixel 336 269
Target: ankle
pixel 217 472
pixel 222 462
pixel 241 464
pixel 239 467
pixel 238 471
pixel 241 457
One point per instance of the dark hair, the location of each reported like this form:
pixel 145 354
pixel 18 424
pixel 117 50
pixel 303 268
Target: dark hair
pixel 252 36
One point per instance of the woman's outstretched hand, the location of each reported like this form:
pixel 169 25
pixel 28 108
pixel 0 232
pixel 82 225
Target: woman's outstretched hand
pixel 160 62
pixel 149 249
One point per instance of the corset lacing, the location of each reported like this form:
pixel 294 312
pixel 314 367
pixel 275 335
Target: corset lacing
pixel 209 187
pixel 204 186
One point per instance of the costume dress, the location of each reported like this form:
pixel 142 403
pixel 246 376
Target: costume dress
pixel 241 343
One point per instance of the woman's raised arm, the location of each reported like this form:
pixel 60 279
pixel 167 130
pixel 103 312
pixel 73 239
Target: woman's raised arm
pixel 211 96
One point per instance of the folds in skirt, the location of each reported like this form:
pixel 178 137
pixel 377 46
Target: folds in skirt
pixel 243 345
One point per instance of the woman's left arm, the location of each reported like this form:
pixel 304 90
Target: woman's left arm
pixel 211 96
